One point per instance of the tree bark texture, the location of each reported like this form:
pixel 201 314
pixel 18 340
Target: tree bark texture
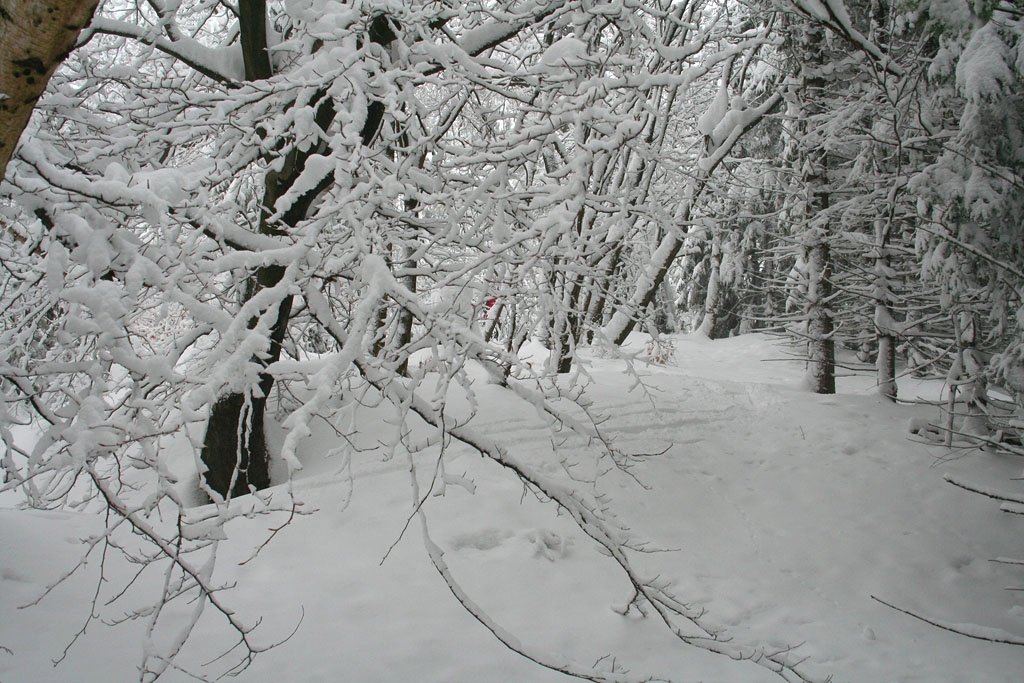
pixel 812 161
pixel 234 449
pixel 35 37
pixel 821 372
pixel 885 366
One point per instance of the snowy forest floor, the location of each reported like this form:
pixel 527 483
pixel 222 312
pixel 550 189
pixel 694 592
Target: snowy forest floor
pixel 779 512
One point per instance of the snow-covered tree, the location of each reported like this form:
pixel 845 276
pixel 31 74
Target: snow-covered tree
pixel 323 197
pixel 971 196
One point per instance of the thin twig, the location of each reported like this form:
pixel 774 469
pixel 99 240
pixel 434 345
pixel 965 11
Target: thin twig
pixel 988 634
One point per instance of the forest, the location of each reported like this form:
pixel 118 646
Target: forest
pixel 232 230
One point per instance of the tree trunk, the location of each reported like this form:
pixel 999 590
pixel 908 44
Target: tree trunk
pixel 560 322
pixel 885 338
pixel 234 448
pixel 404 324
pixel 812 163
pixel 967 375
pixel 623 320
pixel 885 366
pixel 245 462
pixel 404 254
pixel 711 299
pixel 35 37
pixel 821 372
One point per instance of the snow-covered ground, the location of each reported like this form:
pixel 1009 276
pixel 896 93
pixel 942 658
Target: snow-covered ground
pixel 779 512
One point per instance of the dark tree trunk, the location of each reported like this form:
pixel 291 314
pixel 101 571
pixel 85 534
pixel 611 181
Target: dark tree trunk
pixel 821 373
pixel 241 414
pixel 235 448
pixel 252 24
pixel 233 416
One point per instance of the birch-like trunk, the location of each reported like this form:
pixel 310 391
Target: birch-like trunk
pixel 811 162
pixel 35 37
pixel 885 337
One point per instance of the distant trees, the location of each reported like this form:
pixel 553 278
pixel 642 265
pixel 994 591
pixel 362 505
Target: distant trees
pixel 877 262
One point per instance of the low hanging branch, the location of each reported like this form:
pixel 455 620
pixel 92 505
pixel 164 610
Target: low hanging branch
pixel 543 659
pixel 195 577
pixel 647 593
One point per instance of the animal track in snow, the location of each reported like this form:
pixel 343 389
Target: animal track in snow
pixel 484 539
pixel 546 544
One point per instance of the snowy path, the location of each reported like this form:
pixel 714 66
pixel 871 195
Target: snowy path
pixel 790 510
pixel 784 513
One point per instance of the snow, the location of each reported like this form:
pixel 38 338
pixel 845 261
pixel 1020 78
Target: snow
pixel 223 63
pixel 982 71
pixel 778 512
pixel 719 106
pixel 730 127
pixel 568 51
pixel 476 40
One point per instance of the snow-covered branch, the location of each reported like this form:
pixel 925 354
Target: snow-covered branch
pixel 222 64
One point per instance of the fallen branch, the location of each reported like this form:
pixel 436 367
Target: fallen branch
pixel 987 633
pixel 1012 508
pixel 985 491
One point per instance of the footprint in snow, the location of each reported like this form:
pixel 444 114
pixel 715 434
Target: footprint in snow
pixel 484 539
pixel 548 544
pixel 545 544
